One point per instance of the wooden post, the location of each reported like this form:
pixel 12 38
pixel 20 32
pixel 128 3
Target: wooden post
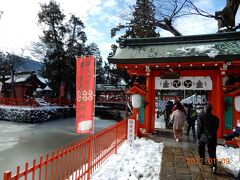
pixel 90 151
pixel 7 175
pixel 217 101
pixel 153 105
pixel 147 114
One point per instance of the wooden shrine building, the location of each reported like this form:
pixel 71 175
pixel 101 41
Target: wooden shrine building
pixel 210 63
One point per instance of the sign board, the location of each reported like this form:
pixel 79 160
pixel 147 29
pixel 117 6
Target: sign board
pixel 184 83
pixel 130 132
pixel 85 94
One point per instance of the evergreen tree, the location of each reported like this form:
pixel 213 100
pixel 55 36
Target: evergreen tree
pixel 4 69
pixel 92 49
pixel 53 35
pixel 75 45
pixel 143 22
pixel 62 43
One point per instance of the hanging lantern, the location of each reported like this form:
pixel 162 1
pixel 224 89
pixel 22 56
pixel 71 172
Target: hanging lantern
pixel 237 103
pixel 136 100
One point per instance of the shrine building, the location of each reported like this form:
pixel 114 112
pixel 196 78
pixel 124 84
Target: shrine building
pixel 207 63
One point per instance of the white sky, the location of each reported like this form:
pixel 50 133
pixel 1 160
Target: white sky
pixel 18 23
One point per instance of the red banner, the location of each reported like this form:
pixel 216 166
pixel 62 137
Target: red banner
pixel 85 94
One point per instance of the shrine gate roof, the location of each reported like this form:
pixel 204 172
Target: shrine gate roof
pixel 199 48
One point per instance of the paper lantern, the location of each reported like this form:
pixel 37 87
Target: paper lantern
pixel 136 100
pixel 237 103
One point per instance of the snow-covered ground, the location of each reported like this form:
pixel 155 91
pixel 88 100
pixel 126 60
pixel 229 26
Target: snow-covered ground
pixel 160 123
pixel 233 154
pixel 143 160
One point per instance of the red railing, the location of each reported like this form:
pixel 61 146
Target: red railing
pixel 17 101
pixel 32 102
pixel 77 160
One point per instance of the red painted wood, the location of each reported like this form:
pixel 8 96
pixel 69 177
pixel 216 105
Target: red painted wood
pixel 87 155
pixel 217 101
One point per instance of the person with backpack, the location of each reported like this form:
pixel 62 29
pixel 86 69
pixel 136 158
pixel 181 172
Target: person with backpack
pixel 191 119
pixel 208 125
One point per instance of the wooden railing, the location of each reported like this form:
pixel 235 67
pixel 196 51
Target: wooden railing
pixel 75 161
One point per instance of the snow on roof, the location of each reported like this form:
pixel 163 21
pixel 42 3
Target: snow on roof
pixel 39 89
pixel 19 78
pixel 47 88
pixel 43 80
pixel 23 78
pixel 208 49
pixel 218 46
pixel 109 87
pixel 194 99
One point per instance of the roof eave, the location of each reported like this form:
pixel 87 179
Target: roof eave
pixel 174 59
pixel 180 39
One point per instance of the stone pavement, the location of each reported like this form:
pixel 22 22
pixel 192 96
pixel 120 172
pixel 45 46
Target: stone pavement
pixel 180 161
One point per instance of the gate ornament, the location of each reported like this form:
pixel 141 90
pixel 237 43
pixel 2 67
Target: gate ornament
pixel 188 83
pixel 183 83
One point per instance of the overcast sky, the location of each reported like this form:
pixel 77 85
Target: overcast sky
pixel 18 23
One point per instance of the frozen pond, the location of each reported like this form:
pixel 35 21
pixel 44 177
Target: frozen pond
pixel 20 143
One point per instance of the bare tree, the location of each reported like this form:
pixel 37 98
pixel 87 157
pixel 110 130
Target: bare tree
pixel 14 63
pixel 226 17
pixel 165 13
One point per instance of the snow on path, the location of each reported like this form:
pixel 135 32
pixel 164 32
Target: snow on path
pixel 141 161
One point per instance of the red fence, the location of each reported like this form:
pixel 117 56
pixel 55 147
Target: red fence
pixel 77 160
pixel 32 102
pixel 17 101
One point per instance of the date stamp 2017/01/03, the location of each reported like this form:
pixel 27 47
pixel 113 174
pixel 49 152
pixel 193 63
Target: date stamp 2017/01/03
pixel 192 160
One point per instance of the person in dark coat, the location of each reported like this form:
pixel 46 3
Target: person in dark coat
pixel 167 112
pixel 208 125
pixel 191 119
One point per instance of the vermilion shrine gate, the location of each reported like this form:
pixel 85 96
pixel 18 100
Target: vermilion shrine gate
pixel 210 63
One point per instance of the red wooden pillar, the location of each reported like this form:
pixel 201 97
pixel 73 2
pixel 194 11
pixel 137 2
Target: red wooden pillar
pixel 217 100
pixel 148 109
pixel 153 105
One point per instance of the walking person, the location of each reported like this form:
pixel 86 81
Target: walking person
pixel 167 112
pixel 191 119
pixel 208 125
pixel 177 119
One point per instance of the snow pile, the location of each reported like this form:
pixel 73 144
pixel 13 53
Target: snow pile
pixel 160 122
pixel 208 49
pixel 34 114
pixel 41 102
pixel 223 153
pixel 141 161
